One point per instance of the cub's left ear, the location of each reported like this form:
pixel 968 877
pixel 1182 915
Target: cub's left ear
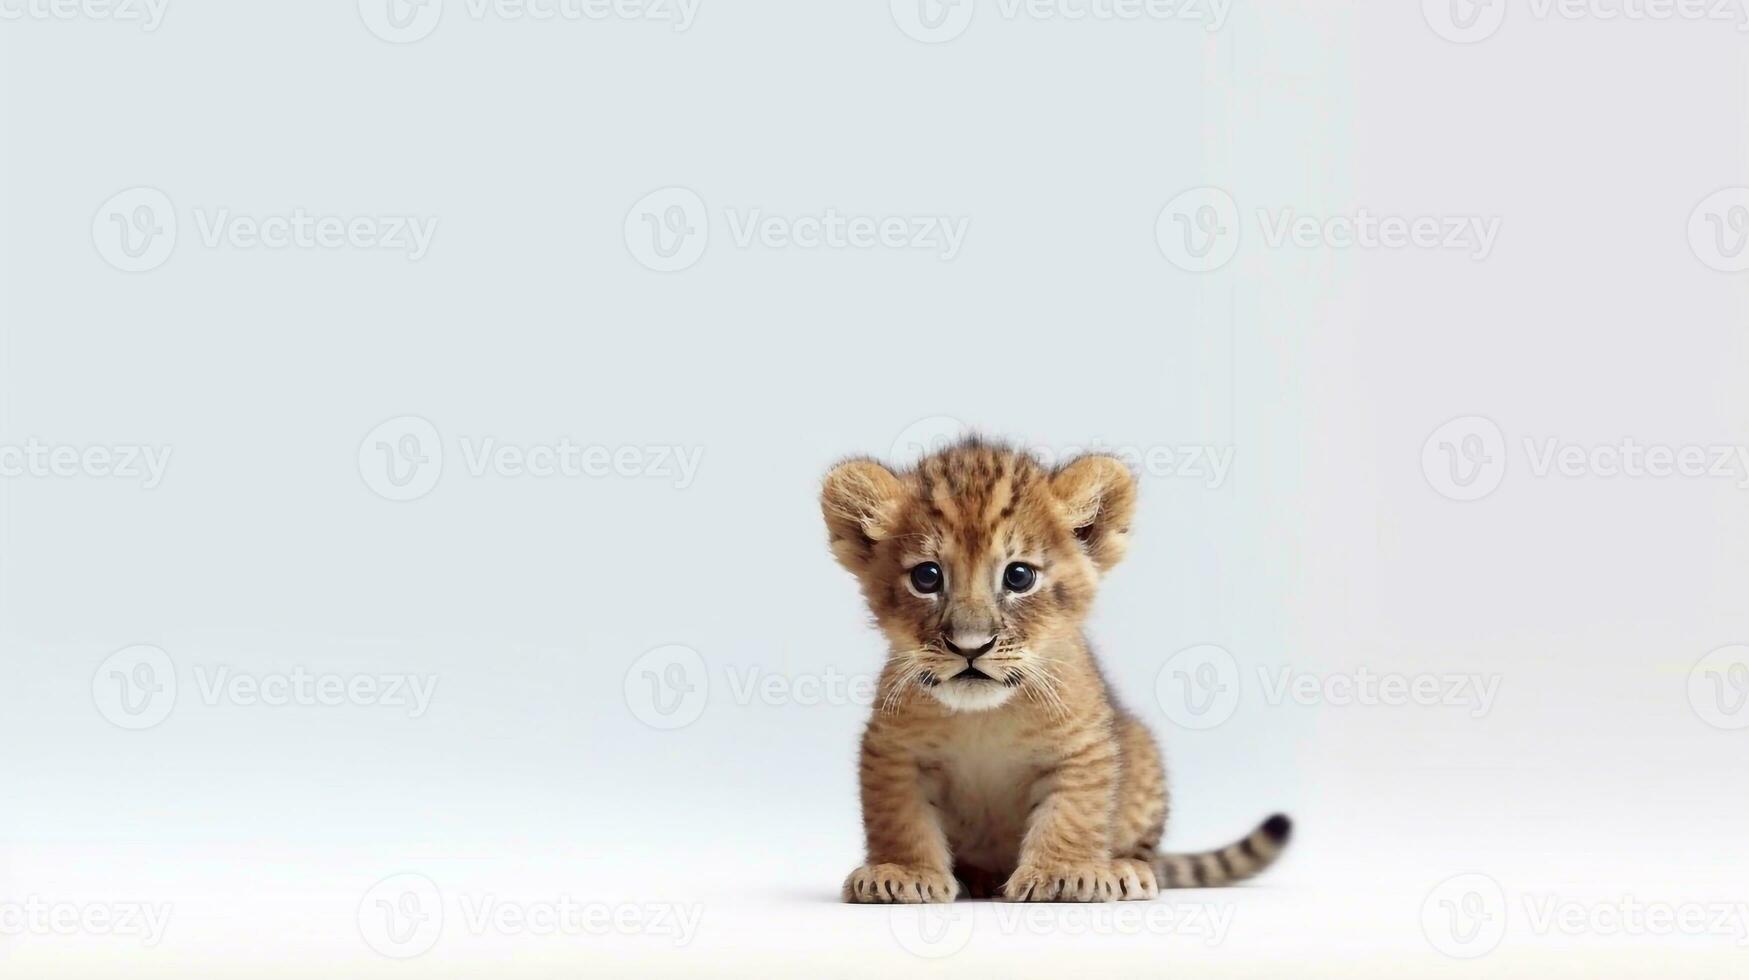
pixel 1099 498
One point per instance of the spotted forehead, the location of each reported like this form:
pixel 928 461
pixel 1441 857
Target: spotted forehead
pixel 973 499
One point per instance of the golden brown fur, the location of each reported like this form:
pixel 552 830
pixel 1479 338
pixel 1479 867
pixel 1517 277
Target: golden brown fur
pixel 1029 782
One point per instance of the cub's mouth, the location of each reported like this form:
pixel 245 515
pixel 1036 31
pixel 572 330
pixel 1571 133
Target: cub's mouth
pixel 972 674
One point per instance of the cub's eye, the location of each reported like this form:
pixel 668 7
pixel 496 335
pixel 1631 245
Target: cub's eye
pixel 1019 577
pixel 926 578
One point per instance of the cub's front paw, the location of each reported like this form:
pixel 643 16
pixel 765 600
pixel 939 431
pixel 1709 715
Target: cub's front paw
pixel 1135 879
pixel 886 883
pixel 1089 882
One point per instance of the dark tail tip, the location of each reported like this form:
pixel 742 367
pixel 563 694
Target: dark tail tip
pixel 1278 828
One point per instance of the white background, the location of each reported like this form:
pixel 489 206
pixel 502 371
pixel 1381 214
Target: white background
pixel 1603 770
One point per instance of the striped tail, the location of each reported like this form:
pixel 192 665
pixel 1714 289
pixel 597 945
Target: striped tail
pixel 1235 862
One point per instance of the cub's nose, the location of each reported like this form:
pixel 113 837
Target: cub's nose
pixel 971 645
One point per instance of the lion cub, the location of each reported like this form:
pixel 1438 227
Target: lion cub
pixel 996 758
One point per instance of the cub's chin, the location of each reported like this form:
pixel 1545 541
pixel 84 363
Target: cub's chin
pixel 970 694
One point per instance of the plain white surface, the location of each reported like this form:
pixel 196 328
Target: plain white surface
pixel 534 773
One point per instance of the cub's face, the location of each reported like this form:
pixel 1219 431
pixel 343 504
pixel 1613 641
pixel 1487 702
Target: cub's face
pixel 977 561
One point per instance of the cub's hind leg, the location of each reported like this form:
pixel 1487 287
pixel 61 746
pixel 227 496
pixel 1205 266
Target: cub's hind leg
pixel 1140 819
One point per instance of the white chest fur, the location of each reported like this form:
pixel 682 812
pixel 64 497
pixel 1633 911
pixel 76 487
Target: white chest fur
pixel 981 781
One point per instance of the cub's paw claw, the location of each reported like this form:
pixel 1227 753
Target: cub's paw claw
pixel 1135 879
pixel 894 883
pixel 1065 883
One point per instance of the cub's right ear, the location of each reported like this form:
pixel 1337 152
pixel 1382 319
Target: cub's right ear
pixel 861 502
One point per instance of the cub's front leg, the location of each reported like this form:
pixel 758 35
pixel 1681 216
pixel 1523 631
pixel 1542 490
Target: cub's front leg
pixel 908 857
pixel 1066 854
